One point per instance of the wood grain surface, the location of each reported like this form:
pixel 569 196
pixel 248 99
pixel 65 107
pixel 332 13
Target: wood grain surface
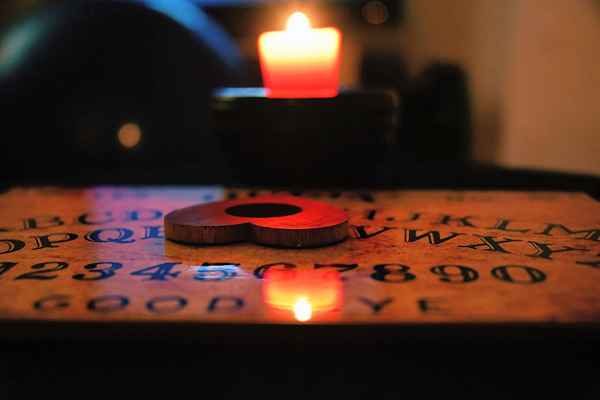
pixel 412 257
pixel 281 221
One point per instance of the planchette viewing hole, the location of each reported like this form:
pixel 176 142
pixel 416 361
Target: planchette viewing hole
pixel 263 210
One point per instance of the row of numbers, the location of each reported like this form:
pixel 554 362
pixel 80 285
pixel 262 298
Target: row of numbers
pixel 389 273
pixel 520 274
pixel 107 269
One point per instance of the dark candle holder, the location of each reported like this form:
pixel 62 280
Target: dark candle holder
pixel 312 141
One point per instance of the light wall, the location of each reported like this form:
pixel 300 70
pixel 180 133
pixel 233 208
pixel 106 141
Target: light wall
pixel 552 107
pixel 534 71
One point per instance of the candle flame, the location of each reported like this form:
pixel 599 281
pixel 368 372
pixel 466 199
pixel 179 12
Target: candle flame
pixel 298 22
pixel 303 309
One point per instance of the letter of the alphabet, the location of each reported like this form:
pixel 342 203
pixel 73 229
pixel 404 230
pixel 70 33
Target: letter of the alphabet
pixel 371 214
pixel 544 250
pixel 235 303
pixel 376 306
pixel 154 232
pixel 12 245
pixel 123 236
pixel 52 302
pixel 502 225
pixel 413 217
pixel 46 241
pixel 366 232
pixel 462 221
pixel 171 304
pixel 106 304
pixel 143 215
pixel 41 222
pixel 434 237
pixel 490 243
pixel 93 219
pixel 6 266
pixel 427 306
pixel 589 234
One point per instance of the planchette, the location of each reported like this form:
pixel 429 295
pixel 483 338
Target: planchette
pixel 281 221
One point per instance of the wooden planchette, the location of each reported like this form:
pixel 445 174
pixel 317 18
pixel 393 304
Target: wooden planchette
pixel 275 220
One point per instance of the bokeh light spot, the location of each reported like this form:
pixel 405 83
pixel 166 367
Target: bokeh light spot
pixel 375 12
pixel 129 135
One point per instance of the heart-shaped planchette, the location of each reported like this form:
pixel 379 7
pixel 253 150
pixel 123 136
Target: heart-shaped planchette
pixel 277 220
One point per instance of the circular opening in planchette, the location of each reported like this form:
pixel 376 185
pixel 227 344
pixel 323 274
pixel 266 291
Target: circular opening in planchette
pixel 263 210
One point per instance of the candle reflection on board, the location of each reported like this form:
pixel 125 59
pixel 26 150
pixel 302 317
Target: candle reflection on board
pixel 307 295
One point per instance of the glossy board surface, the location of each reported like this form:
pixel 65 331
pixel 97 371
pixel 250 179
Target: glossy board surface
pixel 411 257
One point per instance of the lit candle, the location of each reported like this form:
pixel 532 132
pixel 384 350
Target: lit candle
pixel 300 62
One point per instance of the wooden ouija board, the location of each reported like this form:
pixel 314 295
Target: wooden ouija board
pixel 412 258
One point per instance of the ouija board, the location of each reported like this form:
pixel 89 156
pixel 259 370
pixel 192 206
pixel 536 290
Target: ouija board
pixel 98 255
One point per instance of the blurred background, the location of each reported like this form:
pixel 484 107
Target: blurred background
pixel 513 83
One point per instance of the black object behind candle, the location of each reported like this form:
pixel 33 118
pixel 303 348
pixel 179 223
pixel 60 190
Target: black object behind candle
pixel 305 141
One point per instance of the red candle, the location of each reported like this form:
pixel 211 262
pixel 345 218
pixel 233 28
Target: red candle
pixel 300 62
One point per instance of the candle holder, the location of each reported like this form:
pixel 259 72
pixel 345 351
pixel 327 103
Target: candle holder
pixel 305 141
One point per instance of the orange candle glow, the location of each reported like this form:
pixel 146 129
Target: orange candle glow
pixel 300 62
pixel 304 292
